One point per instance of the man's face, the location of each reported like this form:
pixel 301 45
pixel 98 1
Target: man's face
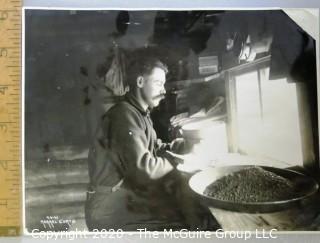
pixel 153 90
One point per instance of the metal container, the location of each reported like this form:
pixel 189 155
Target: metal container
pixel 287 214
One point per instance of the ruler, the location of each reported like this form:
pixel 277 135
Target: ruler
pixel 10 128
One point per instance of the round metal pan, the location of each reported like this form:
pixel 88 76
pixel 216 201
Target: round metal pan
pixel 304 187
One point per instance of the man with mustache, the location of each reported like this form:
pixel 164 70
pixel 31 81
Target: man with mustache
pixel 132 178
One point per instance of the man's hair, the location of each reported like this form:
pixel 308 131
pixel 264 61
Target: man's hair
pixel 142 62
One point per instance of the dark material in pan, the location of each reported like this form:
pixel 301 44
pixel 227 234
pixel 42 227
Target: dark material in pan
pixel 304 187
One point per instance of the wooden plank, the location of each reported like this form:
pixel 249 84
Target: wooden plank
pixel 53 195
pixel 306 130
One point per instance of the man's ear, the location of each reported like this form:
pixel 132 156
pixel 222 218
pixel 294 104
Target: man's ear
pixel 140 81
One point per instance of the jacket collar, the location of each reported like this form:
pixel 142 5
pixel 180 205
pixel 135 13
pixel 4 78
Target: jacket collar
pixel 131 99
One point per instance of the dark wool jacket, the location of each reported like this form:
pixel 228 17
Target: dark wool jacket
pixel 126 148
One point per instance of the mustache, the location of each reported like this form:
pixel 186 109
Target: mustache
pixel 160 96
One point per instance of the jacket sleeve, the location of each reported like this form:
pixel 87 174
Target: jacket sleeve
pixel 130 142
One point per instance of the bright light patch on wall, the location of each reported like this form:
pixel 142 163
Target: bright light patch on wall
pixel 267 117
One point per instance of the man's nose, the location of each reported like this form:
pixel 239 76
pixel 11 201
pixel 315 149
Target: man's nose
pixel 163 91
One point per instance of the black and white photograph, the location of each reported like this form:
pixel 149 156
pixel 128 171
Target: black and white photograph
pixel 170 120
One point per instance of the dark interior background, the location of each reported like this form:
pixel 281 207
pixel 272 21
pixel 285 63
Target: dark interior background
pixel 64 48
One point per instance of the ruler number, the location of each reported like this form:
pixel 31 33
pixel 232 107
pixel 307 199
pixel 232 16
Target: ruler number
pixel 4 202
pixel 3 15
pixel 3 164
pixel 3 52
pixel 2 92
pixel 3 127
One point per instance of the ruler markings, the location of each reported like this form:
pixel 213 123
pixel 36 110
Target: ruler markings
pixel 14 32
pixel 17 175
pixel 13 145
pixel 14 208
pixel 9 10
pixel 14 150
pixel 14 170
pixel 15 127
pixel 16 189
pixel 14 203
pixel 16 16
pixel 12 66
pixel 13 132
pixel 13 58
pixel 11 47
pixel 13 175
pixel 10 50
pixel 15 165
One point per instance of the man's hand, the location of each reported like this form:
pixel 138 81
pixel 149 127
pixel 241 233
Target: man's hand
pixel 177 145
pixel 174 158
pixel 190 162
